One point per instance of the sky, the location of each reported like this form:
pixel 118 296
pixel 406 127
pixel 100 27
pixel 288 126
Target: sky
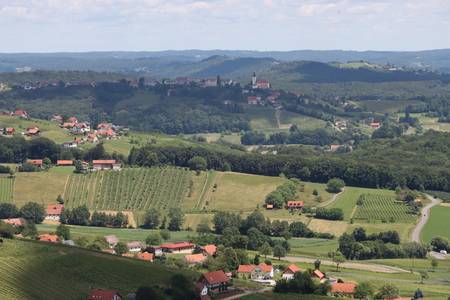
pixel 151 25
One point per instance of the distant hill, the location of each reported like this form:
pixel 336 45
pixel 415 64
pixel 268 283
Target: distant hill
pixel 172 63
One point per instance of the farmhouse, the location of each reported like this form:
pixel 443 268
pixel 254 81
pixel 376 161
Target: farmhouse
pixel 318 274
pixel 105 164
pixel 20 113
pixel 181 247
pixel 290 271
pixel 135 246
pixel 16 222
pixel 145 256
pixel 261 271
pixel 194 259
pixel 107 133
pixel 36 162
pixel 294 204
pixel 9 131
pixel 101 294
pixel 33 131
pixel 54 212
pixel 209 250
pixel 214 282
pixel 343 289
pixel 64 163
pixel 112 240
pixel 51 238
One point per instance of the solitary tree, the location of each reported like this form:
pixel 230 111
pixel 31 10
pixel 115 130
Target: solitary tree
pixel 265 249
pixel 33 212
pixel 60 199
pixel 279 251
pixel 337 258
pixel 388 292
pixel 153 239
pixel 335 185
pixel 63 232
pixel 120 248
pixel 317 263
pixel 197 163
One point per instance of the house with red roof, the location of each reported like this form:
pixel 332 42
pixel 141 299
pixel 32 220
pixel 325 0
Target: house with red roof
pixel 107 133
pixel 290 272
pixel 54 212
pixel 375 125
pixel 16 222
pixel 112 240
pixel 36 162
pixel 193 259
pixel 106 164
pixel 261 271
pixel 145 256
pixel 262 84
pixel 343 289
pixel 180 247
pixel 214 282
pixel 9 131
pixel 295 204
pixel 318 274
pixel 253 100
pixel 135 246
pixel 102 294
pixel 33 131
pixel 20 113
pixel 64 163
pixel 51 238
pixel 209 250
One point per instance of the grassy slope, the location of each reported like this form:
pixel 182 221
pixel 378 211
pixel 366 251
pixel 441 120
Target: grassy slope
pixel 438 224
pixel 32 270
pixel 6 188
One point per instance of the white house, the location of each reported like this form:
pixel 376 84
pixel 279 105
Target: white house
pixel 135 246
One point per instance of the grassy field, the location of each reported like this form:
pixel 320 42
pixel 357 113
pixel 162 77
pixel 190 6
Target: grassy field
pixel 6 189
pixel 379 207
pixel 312 247
pixel 438 224
pixel 271 295
pixel 125 235
pixel 387 106
pixel 129 189
pixel 33 270
pixel 303 122
pixel 42 187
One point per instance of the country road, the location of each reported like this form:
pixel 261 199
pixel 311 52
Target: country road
pixel 348 265
pixel 425 214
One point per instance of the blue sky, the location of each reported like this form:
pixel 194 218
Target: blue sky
pixel 139 25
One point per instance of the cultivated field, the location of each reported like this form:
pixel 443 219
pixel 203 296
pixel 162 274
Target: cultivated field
pixel 6 189
pixel 383 208
pixel 438 224
pixel 129 189
pixel 34 270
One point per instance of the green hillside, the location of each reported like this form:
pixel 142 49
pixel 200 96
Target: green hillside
pixel 34 270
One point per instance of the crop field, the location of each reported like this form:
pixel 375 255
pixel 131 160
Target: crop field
pixel 129 189
pixel 438 224
pixel 34 270
pixel 6 189
pixel 379 208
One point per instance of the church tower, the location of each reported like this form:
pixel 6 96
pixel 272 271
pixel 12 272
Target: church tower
pixel 254 80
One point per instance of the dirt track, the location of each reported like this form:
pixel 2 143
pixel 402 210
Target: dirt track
pixel 425 214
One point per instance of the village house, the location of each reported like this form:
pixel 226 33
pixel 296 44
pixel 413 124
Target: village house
pixel 101 294
pixel 213 282
pixel 193 259
pixel 20 113
pixel 259 272
pixel 135 246
pixel 260 83
pixel 92 138
pixel 269 206
pixel 181 247
pixel 51 238
pixel 16 222
pixel 57 118
pixel 375 125
pixel 8 131
pixel 112 240
pixel 253 100
pixel 70 145
pixel 36 162
pixel 80 128
pixel 33 131
pixel 145 256
pixel 343 289
pixel 290 271
pixel 295 204
pixel 107 133
pixel 335 147
pixel 209 250
pixel 64 163
pixel 106 164
pixel 209 82
pixel 54 212
pixel 319 275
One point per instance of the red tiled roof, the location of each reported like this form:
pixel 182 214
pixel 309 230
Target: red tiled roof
pixel 17 222
pixel 48 238
pixel 61 162
pixel 54 209
pixel 265 268
pixel 318 274
pixel 20 113
pixel 292 269
pixel 295 203
pixel 246 268
pixel 178 245
pixel 215 277
pixel 36 162
pixel 104 162
pixel 32 130
pixel 10 130
pixel 343 288
pixel 195 258
pixel 101 294
pixel 210 249
pixel 145 256
pixel 111 239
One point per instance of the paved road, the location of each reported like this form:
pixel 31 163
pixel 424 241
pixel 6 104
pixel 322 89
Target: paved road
pixel 347 265
pixel 424 218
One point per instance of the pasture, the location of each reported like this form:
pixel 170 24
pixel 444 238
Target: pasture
pixel 387 106
pixel 35 270
pixel 373 207
pixel 6 189
pixel 438 224
pixel 129 189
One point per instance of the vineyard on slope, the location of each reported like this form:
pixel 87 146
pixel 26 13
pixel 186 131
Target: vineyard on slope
pixel 383 208
pixel 135 189
pixel 6 189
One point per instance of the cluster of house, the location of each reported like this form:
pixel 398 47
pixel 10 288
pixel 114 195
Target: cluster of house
pixel 10 131
pixel 290 205
pixel 97 164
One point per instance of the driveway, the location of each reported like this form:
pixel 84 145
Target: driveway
pixel 425 214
